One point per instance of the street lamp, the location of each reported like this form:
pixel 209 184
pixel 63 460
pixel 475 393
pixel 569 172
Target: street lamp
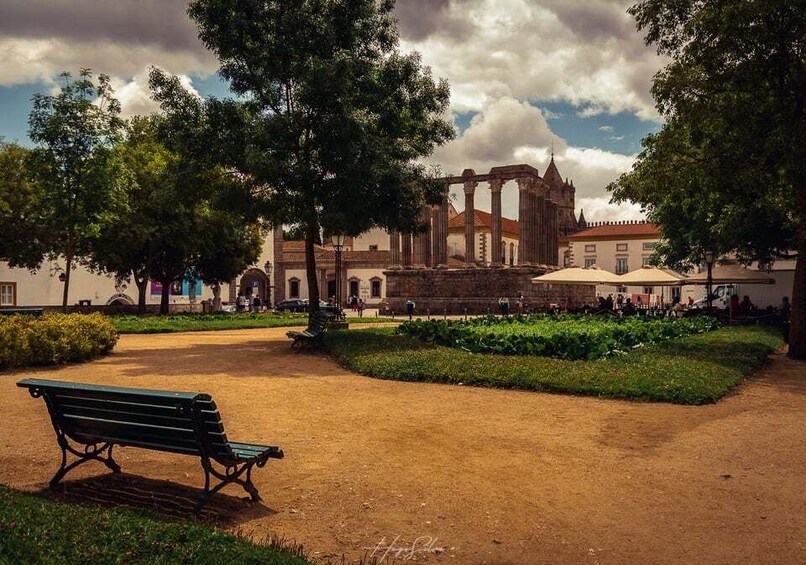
pixel 338 245
pixel 267 270
pixel 709 261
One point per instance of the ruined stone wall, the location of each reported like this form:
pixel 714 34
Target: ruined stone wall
pixel 476 289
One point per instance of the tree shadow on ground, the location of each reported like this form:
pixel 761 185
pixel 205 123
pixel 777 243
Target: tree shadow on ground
pixel 240 359
pixel 163 499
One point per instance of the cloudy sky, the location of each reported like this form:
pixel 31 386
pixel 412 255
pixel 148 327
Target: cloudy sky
pixel 525 75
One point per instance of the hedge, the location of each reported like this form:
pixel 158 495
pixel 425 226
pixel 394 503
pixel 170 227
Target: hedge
pixel 561 337
pixel 54 338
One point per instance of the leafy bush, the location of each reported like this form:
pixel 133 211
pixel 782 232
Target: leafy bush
pixel 54 339
pixel 563 337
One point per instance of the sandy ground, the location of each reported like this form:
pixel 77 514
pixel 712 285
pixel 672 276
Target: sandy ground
pixel 472 475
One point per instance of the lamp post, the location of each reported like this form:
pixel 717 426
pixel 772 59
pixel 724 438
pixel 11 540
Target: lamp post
pixel 338 245
pixel 267 270
pixel 709 261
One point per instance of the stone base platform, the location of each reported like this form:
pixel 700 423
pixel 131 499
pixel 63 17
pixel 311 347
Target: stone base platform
pixel 477 290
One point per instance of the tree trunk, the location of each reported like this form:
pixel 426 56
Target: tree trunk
pixel 217 297
pixel 311 235
pixel 66 290
pixel 797 330
pixel 142 287
pixel 165 296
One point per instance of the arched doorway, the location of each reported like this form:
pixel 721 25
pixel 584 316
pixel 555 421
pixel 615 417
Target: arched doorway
pixel 254 282
pixel 120 299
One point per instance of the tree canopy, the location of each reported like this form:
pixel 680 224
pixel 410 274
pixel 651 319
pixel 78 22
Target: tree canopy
pixel 330 119
pixel 74 131
pixel 727 170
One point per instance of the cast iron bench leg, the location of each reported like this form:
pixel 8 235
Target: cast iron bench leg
pixel 91 453
pixel 232 474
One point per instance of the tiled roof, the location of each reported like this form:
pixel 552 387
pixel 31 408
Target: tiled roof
pixel 485 220
pixel 618 229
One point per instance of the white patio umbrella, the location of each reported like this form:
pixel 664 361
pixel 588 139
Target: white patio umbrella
pixel 578 275
pixel 731 273
pixel 651 276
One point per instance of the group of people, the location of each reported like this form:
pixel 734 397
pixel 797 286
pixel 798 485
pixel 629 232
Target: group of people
pixel 358 305
pixel 250 303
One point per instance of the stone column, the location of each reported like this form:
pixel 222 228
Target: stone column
pixel 425 241
pixel 394 249
pixel 417 255
pixel 433 212
pixel 406 250
pixel 541 228
pixel 534 232
pixel 523 221
pixel 495 191
pixel 470 223
pixel 555 232
pixel 443 234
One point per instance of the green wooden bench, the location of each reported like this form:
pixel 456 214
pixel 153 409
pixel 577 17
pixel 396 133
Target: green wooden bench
pixel 313 334
pixel 90 419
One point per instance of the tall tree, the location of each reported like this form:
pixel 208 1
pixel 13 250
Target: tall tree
pixel 171 218
pixel 74 130
pixel 727 171
pixel 331 119
pixel 22 242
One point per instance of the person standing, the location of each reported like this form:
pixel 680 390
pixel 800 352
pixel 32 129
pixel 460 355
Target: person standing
pixel 360 306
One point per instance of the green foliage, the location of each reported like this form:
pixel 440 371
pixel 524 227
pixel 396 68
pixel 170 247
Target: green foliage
pixel 564 337
pixel 727 171
pixel 696 369
pixel 212 322
pixel 39 530
pixel 331 123
pixel 54 338
pixel 24 237
pixel 74 131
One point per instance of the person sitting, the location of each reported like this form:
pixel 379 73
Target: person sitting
pixel 734 304
pixel 629 307
pixel 746 305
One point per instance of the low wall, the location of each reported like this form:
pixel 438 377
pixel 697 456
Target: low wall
pixel 477 290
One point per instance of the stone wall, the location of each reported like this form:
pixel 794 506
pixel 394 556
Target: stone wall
pixel 477 289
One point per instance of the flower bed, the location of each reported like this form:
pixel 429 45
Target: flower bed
pixel 54 339
pixel 562 337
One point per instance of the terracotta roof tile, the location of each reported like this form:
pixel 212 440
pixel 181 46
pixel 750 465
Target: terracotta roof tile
pixel 612 230
pixel 485 219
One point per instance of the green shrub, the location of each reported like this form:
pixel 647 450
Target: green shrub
pixel 54 339
pixel 563 337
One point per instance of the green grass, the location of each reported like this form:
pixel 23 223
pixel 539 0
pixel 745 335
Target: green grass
pixel 40 530
pixel 692 370
pixel 149 324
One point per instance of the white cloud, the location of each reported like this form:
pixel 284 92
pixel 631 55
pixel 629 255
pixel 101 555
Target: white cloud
pixel 508 132
pixel 600 209
pixel 605 128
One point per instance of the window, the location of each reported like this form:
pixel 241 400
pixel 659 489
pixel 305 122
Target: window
pixel 354 286
pixel 590 248
pixel 648 290
pixel 8 294
pixel 511 254
pixel 375 288
pixel 567 259
pixel 649 246
pixel 590 262
pixel 176 288
pixel 644 261
pixel 373 247
pixel 293 288
pixel 621 247
pixel 622 290
pixel 621 265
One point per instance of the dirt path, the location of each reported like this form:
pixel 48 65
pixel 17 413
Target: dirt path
pixel 493 476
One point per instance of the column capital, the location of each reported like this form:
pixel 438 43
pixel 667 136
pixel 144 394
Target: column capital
pixel 470 187
pixel 524 183
pixel 496 185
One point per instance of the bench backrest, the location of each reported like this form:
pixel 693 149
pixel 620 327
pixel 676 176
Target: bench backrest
pixel 318 322
pixel 178 422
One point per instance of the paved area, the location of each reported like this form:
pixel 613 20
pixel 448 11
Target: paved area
pixel 467 475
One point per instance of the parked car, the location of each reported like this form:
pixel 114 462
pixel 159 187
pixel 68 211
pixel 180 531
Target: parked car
pixel 292 305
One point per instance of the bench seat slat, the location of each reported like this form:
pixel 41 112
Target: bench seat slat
pixel 105 404
pixel 175 420
pixel 125 441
